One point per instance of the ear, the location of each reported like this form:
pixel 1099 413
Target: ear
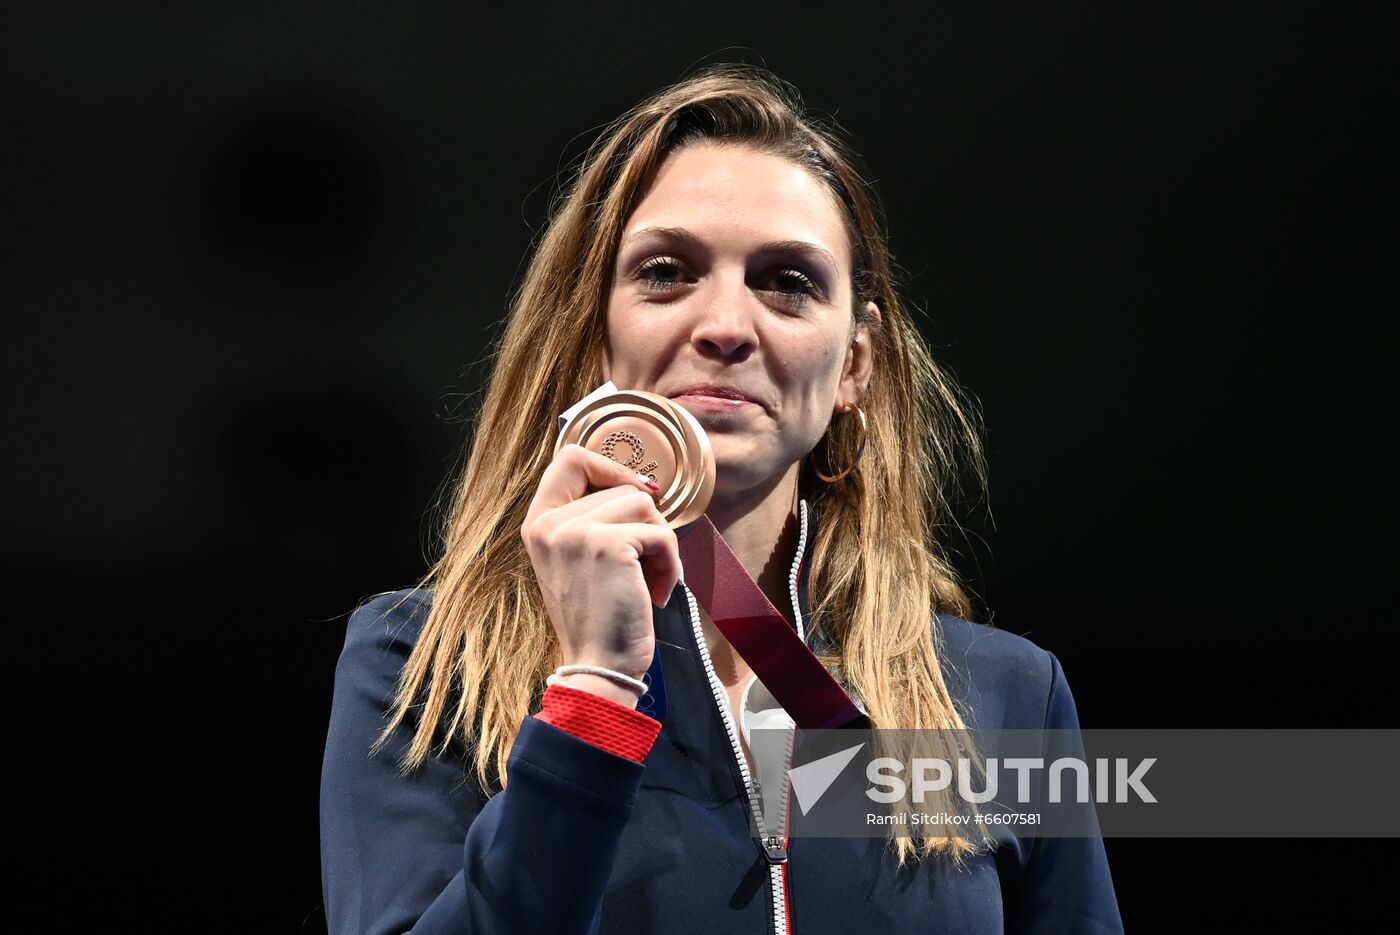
pixel 859 364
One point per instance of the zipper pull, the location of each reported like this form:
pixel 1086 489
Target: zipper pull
pixel 773 848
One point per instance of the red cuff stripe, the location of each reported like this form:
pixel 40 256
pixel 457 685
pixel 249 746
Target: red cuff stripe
pixel 616 728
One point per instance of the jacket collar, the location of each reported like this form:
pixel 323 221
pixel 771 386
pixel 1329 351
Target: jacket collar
pixel 811 630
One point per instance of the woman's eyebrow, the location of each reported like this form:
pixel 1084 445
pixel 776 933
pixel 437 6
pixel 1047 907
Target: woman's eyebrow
pixel 687 237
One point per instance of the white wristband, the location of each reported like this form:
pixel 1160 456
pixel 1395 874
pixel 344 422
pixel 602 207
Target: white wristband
pixel 612 675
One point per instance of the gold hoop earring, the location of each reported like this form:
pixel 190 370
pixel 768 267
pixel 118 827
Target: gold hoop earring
pixel 860 451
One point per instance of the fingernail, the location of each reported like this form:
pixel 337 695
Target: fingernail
pixel 652 485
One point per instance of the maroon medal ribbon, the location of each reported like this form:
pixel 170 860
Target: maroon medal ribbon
pixel 778 656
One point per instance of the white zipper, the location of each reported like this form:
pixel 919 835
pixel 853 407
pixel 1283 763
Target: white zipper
pixel 797 566
pixel 774 846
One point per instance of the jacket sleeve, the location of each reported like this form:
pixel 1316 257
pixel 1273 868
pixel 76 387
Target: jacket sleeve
pixel 425 852
pixel 1066 886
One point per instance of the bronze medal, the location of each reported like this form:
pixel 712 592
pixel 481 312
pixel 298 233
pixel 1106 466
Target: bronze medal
pixel 655 437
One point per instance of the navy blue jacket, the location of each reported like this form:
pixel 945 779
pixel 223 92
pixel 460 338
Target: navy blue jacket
pixel 583 840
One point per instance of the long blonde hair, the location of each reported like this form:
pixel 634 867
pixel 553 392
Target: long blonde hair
pixel 877 571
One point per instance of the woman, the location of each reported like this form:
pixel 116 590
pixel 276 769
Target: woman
pixel 720 249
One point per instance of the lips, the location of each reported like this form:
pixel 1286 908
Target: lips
pixel 718 390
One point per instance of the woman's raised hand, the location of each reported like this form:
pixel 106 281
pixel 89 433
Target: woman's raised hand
pixel 601 559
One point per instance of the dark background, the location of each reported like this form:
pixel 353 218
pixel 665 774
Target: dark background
pixel 252 261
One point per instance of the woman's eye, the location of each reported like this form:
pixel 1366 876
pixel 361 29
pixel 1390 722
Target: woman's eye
pixel 656 274
pixel 791 279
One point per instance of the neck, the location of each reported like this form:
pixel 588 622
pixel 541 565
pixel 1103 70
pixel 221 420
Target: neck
pixel 762 529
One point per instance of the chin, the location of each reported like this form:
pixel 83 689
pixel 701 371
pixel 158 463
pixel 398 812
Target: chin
pixel 735 473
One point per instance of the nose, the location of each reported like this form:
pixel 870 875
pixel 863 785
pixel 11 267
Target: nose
pixel 725 325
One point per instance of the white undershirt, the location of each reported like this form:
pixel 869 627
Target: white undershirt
pixel 760 711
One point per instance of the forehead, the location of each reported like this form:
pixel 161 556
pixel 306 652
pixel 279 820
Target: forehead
pixel 737 194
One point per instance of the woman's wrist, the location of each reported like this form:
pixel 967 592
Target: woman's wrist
pixel 603 680
pixel 599 685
